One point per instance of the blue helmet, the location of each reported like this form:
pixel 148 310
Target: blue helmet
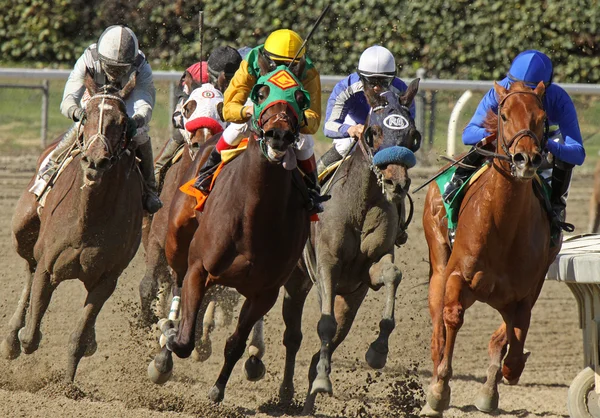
pixel 531 67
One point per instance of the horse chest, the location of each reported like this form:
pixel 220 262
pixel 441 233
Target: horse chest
pixel 379 231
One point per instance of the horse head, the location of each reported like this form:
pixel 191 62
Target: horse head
pixel 105 128
pixel 392 136
pixel 203 115
pixel 279 104
pixel 519 125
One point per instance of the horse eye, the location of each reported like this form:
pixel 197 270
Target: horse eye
pixel 503 116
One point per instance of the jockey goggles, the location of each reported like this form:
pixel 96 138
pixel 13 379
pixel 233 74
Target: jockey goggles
pixel 383 82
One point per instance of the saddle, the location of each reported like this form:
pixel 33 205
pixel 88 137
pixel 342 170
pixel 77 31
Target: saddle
pixel 542 190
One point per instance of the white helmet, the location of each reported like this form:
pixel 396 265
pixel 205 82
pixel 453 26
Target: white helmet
pixel 117 46
pixel 377 61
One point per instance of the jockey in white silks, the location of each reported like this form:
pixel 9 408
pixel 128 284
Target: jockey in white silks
pixel 113 59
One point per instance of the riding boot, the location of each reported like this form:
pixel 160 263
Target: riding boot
pixel 205 174
pixel 327 159
pixel 311 179
pixel 151 201
pixel 167 154
pixel 561 179
pixel 461 175
pixel 48 170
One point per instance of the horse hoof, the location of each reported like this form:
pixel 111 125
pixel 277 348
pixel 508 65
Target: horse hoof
pixel 10 351
pixel 439 402
pixel 29 347
pixel 254 369
pixel 376 359
pixel 216 395
pixel 510 382
pixel 202 352
pixel 286 393
pixel 428 411
pixel 486 403
pixel 322 385
pixel 160 378
pixel 91 349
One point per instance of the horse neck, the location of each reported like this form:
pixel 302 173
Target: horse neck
pixel 362 181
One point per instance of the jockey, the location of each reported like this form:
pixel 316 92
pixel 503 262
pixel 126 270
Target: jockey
pixel 565 142
pixel 222 64
pixel 280 48
pixel 113 59
pixel 347 107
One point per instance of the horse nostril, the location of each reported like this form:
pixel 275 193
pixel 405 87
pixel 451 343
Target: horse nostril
pixel 103 163
pixel 536 161
pixel 520 158
pixel 84 158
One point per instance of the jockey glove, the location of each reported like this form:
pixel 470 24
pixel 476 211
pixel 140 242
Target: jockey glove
pixel 77 113
pixel 139 120
pixel 131 128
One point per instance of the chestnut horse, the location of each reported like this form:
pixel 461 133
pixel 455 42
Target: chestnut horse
pixel 250 235
pixel 89 228
pixel 501 253
pixel 352 246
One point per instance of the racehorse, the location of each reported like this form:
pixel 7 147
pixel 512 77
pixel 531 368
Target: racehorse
pixel 172 228
pixel 351 248
pixel 501 252
pixel 253 228
pixel 89 228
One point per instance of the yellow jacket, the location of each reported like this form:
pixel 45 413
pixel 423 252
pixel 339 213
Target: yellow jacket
pixel 234 109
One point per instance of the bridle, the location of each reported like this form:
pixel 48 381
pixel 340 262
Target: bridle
pixel 501 139
pixel 115 153
pixel 260 123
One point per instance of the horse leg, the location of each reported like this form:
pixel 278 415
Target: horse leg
pixel 205 326
pixel 386 273
pixel 254 368
pixel 156 273
pixel 41 293
pixel 252 310
pixel 456 301
pixel 296 291
pixel 345 309
pixel 180 342
pixel 10 348
pixel 227 302
pixel 83 339
pixel 488 396
pixel 514 363
pixel 594 222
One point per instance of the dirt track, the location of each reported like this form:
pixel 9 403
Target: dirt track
pixel 113 382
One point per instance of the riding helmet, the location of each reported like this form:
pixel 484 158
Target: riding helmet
pixel 283 45
pixel 117 46
pixel 531 67
pixel 377 61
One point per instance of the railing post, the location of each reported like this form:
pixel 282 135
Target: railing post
pixel 452 124
pixel 45 97
pixel 420 105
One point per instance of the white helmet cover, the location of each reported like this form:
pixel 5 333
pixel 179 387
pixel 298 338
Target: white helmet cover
pixel 377 61
pixel 205 115
pixel 117 45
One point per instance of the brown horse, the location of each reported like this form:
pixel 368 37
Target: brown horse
pixel 594 225
pixel 501 253
pixel 250 236
pixel 89 228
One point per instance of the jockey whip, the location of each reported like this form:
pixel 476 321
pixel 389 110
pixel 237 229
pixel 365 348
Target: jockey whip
pixel 487 140
pixel 312 31
pixel 201 31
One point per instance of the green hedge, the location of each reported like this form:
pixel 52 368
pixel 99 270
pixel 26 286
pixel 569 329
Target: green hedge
pixel 462 39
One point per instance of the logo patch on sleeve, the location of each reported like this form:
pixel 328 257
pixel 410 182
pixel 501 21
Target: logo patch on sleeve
pixel 283 80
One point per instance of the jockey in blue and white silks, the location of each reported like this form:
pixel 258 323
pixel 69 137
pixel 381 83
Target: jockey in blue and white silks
pixel 564 142
pixel 347 106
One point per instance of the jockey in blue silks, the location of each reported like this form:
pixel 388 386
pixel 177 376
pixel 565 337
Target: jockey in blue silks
pixel 347 107
pixel 565 142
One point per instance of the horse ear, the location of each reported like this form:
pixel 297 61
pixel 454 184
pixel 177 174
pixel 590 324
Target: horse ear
pixel 540 89
pixel 410 93
pixel 501 92
pixel 220 111
pixel 126 91
pixel 301 99
pixel 297 68
pixel 263 64
pixel 89 83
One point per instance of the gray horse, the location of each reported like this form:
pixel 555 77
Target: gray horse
pixel 351 248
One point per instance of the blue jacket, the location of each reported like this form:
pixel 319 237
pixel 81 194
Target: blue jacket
pixel 348 99
pixel 559 110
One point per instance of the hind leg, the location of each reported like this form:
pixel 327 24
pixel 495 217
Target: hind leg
pixel 156 273
pixel 205 325
pixel 83 339
pixel 296 291
pixel 252 310
pixel 254 368
pixel 10 346
pixel 385 273
pixel 488 396
pixel 345 309
pixel 41 293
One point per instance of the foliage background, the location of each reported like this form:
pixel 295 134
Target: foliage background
pixel 462 39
